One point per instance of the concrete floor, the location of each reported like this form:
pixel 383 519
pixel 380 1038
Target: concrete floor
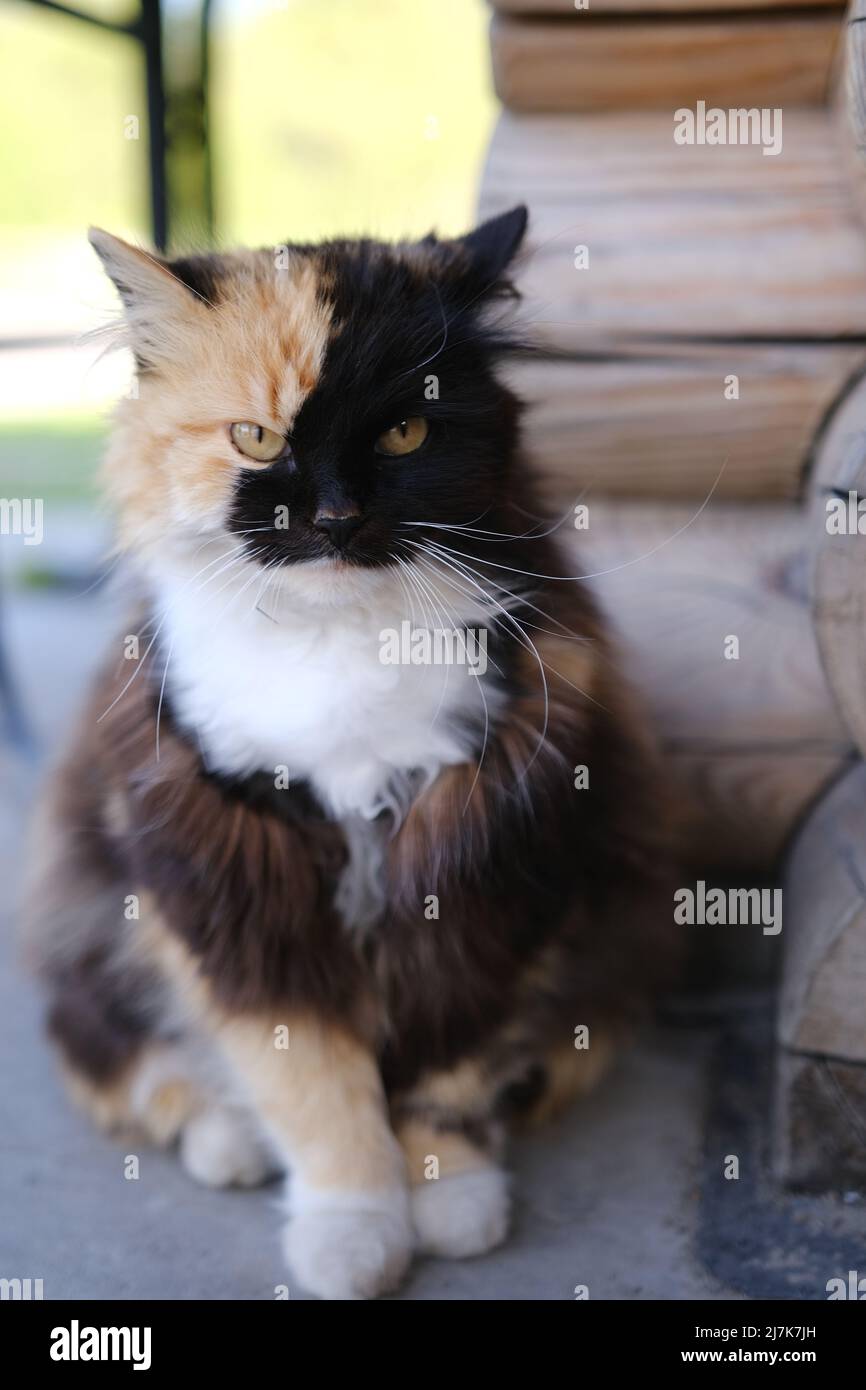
pixel 614 1198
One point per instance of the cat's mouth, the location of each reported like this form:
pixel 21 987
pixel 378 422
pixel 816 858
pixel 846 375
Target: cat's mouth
pixel 336 562
pixel 332 559
pixel 312 545
pixel 343 557
pixel 329 580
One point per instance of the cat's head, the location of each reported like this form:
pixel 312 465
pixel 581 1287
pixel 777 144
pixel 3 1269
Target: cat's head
pixel 313 402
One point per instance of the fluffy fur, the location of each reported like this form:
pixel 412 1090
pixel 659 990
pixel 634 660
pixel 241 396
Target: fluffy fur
pixel 373 907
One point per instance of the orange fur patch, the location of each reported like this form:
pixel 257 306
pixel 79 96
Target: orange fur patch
pixel 256 355
pixel 320 1097
pixel 453 1152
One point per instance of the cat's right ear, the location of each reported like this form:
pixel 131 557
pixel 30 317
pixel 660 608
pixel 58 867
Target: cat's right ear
pixel 493 245
pixel 157 304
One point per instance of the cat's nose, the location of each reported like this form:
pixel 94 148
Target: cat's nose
pixel 338 529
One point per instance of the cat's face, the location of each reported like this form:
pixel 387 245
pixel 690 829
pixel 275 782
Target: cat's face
pixel 313 403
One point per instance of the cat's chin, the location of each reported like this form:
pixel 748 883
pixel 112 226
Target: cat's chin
pixel 329 582
pixel 323 582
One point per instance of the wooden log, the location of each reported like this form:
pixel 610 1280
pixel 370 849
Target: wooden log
pixel 751 742
pixel 849 101
pixel 603 64
pixel 690 241
pixel 838 561
pixel 562 8
pixel 820 1113
pixel 636 426
pixel 824 987
pixel 819 1123
pixel 820 1110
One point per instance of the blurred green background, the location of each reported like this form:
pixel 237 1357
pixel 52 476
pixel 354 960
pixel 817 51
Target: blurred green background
pixel 327 117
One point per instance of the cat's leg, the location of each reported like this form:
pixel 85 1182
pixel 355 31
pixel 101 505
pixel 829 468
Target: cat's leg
pixel 313 1084
pixel 567 1074
pixel 460 1196
pixel 452 1127
pixel 322 1104
pixel 156 1089
pixel 125 1056
pixel 151 1097
pixel 460 1192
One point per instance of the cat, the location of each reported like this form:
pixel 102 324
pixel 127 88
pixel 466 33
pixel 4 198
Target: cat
pixel 298 907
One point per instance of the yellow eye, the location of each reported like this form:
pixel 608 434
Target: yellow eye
pixel 404 438
pixel 255 442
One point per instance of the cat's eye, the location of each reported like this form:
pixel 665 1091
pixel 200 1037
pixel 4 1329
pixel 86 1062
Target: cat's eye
pixel 256 442
pixel 403 438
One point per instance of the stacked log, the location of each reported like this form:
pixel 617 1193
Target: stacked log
pixel 695 285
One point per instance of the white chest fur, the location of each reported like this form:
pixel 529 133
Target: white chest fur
pixel 299 687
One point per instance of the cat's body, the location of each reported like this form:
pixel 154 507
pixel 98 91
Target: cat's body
pixel 301 906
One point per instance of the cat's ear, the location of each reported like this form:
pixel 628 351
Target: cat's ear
pixel 156 301
pixel 493 245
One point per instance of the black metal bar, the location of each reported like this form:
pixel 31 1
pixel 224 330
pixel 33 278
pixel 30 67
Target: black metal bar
pixel 113 26
pixel 151 35
pixel 180 175
pixel 205 104
pixel 188 177
pixel 13 716
pixel 177 63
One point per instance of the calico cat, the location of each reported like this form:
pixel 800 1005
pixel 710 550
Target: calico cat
pixel 299 906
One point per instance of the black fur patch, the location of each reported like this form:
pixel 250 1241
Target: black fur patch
pixel 411 337
pixel 200 274
pixel 99 1029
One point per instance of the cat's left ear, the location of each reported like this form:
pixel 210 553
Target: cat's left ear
pixel 158 303
pixel 493 245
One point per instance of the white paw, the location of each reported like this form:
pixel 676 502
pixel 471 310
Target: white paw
pixel 219 1147
pixel 462 1215
pixel 350 1251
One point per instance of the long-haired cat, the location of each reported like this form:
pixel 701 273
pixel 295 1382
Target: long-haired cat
pixel 317 892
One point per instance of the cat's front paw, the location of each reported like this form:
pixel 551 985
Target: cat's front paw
pixel 354 1249
pixel 462 1215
